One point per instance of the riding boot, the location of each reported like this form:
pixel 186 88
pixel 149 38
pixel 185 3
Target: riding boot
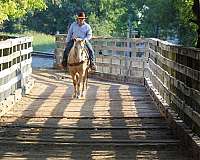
pixel 93 67
pixel 64 60
pixel 66 52
pixel 91 56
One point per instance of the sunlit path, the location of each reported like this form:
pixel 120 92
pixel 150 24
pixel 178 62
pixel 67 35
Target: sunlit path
pixel 113 121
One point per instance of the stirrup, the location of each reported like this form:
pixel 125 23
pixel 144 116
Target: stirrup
pixel 93 67
pixel 64 64
pixel 60 66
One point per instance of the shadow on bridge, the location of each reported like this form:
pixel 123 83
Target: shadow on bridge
pixel 114 121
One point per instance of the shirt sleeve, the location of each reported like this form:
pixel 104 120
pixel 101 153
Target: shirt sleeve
pixel 89 33
pixel 69 34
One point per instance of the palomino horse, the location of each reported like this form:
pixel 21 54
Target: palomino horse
pixel 78 65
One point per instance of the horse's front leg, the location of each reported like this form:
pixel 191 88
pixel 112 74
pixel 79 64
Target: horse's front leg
pixel 78 80
pixel 80 85
pixel 75 86
pixel 84 85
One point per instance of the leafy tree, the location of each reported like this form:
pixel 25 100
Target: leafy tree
pixel 186 29
pixel 57 17
pixel 159 18
pixel 18 8
pixel 153 18
pixel 196 19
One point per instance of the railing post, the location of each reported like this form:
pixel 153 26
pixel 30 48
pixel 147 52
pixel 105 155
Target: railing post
pixel 15 70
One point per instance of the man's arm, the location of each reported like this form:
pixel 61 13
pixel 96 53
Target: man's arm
pixel 88 34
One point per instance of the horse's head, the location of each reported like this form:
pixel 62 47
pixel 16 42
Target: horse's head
pixel 79 45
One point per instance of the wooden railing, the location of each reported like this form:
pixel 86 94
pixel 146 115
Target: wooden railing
pixel 171 74
pixel 174 72
pixel 116 58
pixel 15 70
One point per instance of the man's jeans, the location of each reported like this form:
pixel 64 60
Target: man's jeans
pixel 70 45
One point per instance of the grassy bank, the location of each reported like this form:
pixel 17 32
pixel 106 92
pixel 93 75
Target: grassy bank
pixel 41 42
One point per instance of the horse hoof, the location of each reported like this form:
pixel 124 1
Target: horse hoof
pixel 82 95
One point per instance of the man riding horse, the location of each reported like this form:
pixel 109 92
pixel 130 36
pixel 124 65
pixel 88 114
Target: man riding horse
pixel 79 29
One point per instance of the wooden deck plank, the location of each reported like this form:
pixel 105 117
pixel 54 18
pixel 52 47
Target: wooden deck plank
pixel 93 152
pixel 113 121
pixel 97 122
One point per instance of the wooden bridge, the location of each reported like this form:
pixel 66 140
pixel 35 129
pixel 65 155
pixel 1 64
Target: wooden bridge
pixel 127 112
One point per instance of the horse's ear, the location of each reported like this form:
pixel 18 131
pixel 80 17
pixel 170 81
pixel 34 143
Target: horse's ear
pixel 83 42
pixel 74 39
pixel 78 39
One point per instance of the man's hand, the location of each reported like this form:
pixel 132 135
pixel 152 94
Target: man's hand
pixel 74 38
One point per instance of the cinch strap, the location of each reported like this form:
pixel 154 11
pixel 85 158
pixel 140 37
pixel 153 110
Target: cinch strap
pixel 76 64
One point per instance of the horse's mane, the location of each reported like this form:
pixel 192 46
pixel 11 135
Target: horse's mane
pixel 78 53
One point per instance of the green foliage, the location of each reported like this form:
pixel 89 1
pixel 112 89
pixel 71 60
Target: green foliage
pixel 107 23
pixel 186 29
pixel 18 8
pixel 57 17
pixel 100 28
pixel 152 18
pixel 160 18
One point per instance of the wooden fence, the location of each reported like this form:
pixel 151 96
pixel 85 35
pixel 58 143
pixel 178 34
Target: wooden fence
pixel 116 58
pixel 15 70
pixel 174 72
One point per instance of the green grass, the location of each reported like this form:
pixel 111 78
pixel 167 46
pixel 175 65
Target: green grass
pixel 41 42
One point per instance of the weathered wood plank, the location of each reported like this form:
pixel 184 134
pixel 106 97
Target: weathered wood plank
pixel 188 110
pixel 93 152
pixel 118 115
pixel 96 123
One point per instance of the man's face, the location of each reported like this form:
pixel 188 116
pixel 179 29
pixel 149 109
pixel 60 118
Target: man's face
pixel 81 21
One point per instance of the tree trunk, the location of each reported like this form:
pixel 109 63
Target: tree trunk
pixel 196 12
pixel 198 38
pixel 97 8
pixel 157 31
